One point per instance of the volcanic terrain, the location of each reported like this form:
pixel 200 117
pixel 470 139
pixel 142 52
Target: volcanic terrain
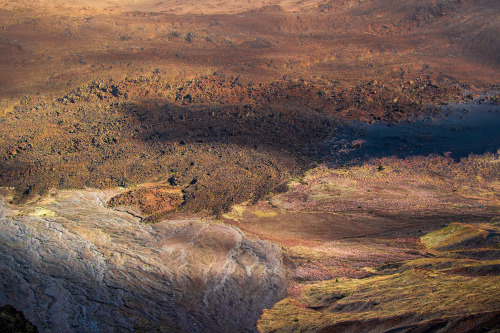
pixel 203 166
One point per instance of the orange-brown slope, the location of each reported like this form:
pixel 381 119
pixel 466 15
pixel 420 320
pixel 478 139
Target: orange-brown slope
pixel 454 290
pixel 43 50
pixel 338 223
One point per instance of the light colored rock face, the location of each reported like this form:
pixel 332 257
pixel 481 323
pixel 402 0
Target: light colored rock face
pixel 72 265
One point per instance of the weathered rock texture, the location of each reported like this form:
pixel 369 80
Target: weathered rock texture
pixel 73 265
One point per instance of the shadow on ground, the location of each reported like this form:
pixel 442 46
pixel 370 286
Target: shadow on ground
pixel 461 130
pixel 219 155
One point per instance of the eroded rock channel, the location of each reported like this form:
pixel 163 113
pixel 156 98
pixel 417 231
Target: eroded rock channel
pixel 74 265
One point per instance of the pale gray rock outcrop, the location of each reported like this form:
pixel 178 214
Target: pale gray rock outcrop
pixel 73 265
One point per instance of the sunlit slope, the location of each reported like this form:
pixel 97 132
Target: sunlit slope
pixel 457 290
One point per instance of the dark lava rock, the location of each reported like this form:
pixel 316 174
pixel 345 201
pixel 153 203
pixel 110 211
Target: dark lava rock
pixel 13 321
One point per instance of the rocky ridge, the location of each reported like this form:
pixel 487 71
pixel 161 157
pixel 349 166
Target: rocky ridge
pixel 81 267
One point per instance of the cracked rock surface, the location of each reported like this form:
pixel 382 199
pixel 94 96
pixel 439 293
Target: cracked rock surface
pixel 70 264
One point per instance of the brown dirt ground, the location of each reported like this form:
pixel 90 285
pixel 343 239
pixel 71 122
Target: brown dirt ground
pixel 222 141
pixel 50 48
pixel 104 96
pixel 97 96
pixel 336 223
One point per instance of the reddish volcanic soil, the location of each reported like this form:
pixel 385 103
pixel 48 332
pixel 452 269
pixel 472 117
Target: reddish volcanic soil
pixel 188 110
pixel 51 46
pixel 232 100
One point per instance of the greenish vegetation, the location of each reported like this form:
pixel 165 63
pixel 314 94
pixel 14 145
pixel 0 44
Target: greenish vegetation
pixel 445 288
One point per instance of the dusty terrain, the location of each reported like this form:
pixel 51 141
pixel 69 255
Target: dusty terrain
pixel 49 46
pixel 105 94
pixel 168 166
pixel 336 223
